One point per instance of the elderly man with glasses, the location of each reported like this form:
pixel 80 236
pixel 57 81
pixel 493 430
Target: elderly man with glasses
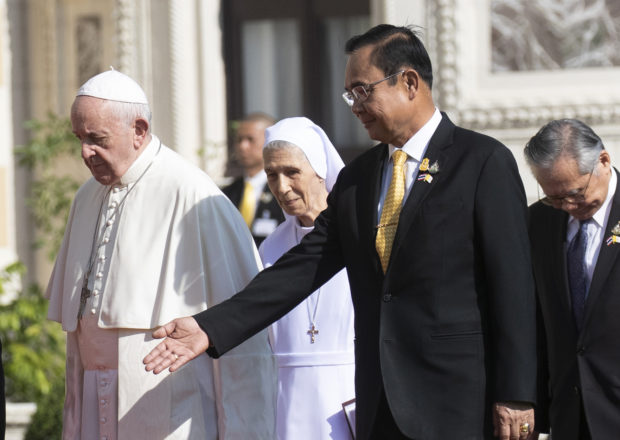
pixel 574 232
pixel 431 225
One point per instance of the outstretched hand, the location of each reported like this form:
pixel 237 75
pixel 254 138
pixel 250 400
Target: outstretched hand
pixel 184 341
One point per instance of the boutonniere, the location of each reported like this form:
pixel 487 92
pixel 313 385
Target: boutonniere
pixel 615 235
pixel 266 197
pixel 426 171
pixel 434 168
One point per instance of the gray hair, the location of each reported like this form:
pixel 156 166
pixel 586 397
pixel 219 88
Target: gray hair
pixel 280 145
pixel 564 137
pixel 285 145
pixel 129 111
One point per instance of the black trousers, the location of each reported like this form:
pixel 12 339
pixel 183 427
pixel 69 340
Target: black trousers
pixel 584 430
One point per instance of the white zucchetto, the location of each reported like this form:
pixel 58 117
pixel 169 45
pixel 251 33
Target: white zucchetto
pixel 114 86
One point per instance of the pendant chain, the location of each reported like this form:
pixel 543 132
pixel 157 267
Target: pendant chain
pixel 85 293
pixel 312 329
pixel 312 318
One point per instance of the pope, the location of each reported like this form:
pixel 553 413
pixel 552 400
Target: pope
pixel 149 238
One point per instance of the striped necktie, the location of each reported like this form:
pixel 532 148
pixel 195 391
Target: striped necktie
pixel 248 204
pixel 386 229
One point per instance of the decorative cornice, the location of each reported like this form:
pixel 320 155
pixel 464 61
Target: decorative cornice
pixel 522 117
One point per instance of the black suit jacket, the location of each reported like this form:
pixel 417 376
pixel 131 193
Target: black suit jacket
pixel 267 208
pixel 584 366
pixel 450 327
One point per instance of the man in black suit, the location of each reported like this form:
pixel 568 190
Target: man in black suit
pixel 574 233
pixel 250 193
pixel 444 323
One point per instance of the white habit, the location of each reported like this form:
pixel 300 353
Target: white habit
pixel 169 244
pixel 314 379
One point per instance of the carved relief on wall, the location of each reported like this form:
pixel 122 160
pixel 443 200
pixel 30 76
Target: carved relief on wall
pixel 89 46
pixel 554 34
pixel 519 63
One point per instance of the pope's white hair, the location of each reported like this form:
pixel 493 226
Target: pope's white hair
pixel 129 112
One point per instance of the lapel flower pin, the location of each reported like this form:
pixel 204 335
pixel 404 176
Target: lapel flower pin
pixel 427 171
pixel 615 235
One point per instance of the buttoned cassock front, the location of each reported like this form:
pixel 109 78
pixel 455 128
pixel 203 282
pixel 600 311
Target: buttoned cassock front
pixel 173 247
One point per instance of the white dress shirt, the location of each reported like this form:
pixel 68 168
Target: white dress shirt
pixel 595 230
pixel 258 182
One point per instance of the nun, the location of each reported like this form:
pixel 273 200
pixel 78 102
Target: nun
pixel 313 343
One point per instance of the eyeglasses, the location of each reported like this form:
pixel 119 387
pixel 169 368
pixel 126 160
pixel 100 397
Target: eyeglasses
pixel 360 93
pixel 576 198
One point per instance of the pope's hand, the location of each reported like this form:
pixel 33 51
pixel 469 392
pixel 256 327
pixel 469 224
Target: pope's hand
pixel 184 341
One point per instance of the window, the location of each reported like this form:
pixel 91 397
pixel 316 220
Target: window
pixel 286 58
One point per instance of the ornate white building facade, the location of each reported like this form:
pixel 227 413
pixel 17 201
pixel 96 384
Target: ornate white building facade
pixel 494 72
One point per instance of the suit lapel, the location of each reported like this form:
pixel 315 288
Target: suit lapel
pixel 607 256
pixel 557 234
pixel 442 138
pixel 368 199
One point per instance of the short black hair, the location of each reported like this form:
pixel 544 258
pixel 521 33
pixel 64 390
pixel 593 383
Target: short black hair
pixel 395 47
pixel 259 117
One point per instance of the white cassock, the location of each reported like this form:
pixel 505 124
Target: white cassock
pixel 314 379
pixel 169 244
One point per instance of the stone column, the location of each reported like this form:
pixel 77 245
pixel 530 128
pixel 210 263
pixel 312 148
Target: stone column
pixel 398 12
pixel 7 190
pixel 213 92
pixel 184 80
pixel 134 44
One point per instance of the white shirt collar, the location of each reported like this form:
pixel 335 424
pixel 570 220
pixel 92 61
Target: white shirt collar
pixel 142 161
pixel 258 180
pixel 600 217
pixel 415 147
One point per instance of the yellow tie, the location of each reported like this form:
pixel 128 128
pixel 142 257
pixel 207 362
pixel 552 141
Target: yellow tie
pixel 248 204
pixel 386 230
